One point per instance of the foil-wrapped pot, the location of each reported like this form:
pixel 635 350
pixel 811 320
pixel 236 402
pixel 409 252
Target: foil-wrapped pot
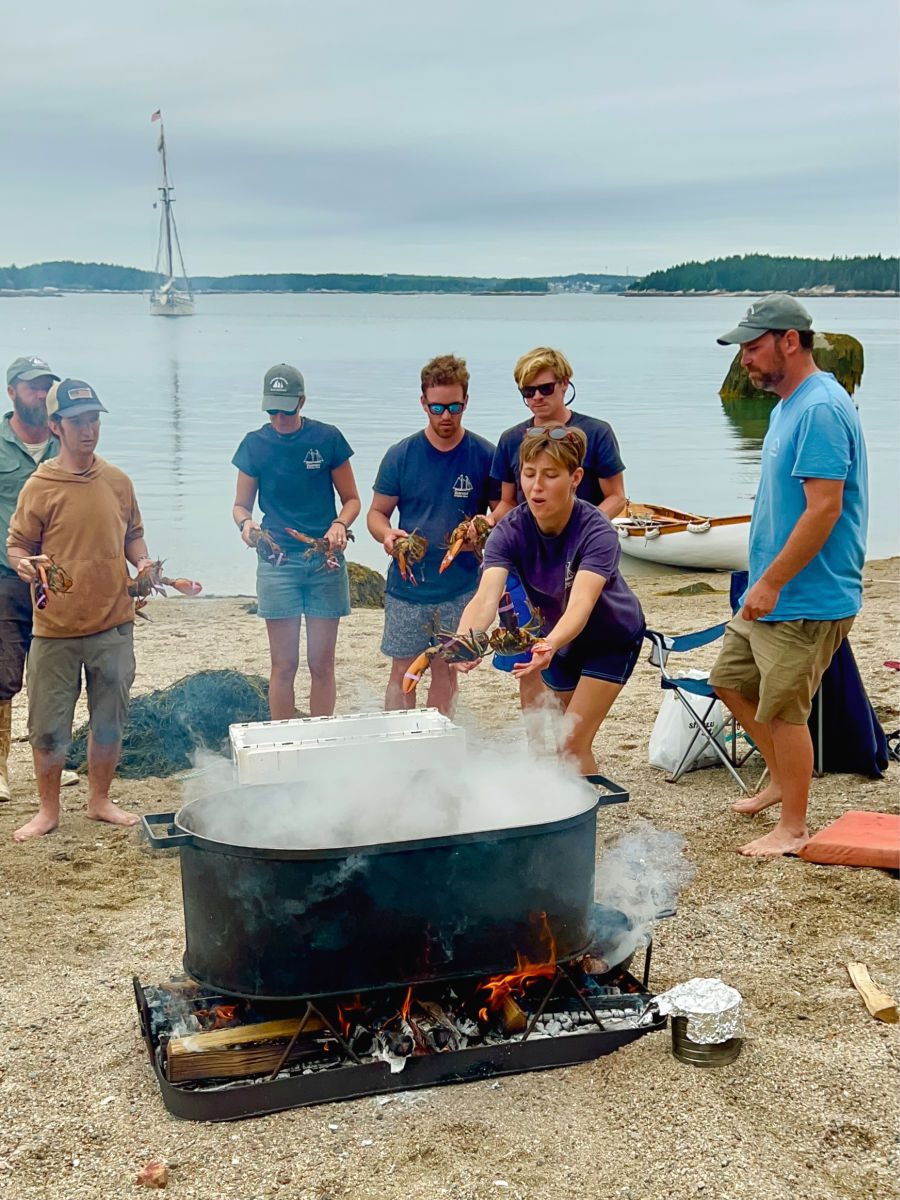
pixel 711 1007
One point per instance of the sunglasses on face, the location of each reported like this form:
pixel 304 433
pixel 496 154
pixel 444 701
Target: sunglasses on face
pixel 545 389
pixel 557 433
pixel 438 410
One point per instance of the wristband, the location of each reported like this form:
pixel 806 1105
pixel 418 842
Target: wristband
pixel 242 523
pixel 338 521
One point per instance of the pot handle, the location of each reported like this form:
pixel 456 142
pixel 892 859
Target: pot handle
pixel 615 793
pixel 159 831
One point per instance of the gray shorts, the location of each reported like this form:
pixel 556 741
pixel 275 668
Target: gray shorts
pixel 54 685
pixel 409 628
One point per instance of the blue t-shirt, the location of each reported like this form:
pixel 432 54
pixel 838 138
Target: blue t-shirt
pixel 435 490
pixel 601 461
pixel 547 565
pixel 814 434
pixel 293 471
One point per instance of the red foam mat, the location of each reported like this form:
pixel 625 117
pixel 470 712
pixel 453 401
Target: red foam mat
pixel 857 839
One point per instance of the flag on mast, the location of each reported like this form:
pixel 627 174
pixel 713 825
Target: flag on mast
pixel 157 116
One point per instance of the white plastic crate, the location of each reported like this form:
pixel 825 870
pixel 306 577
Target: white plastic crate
pixel 293 751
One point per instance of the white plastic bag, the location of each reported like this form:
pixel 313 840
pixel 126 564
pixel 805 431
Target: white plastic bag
pixel 674 730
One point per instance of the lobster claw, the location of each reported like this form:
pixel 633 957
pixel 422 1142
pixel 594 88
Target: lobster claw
pixel 455 546
pixel 415 671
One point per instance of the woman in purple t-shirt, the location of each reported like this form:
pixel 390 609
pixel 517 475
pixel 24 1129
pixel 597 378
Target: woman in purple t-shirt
pixel 566 553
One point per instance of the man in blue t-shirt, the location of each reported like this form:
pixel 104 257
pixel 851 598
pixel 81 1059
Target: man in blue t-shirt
pixel 437 478
pixel 807 550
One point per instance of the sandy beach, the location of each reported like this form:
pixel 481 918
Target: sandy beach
pixel 810 1109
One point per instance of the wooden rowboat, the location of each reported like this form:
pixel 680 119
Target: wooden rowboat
pixel 682 539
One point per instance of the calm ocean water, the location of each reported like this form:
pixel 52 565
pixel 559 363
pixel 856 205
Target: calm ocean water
pixel 182 393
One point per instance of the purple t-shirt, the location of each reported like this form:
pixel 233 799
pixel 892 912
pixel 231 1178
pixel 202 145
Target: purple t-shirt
pixel 548 563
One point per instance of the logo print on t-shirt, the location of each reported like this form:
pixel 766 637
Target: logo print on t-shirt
pixel 463 487
pixel 570 576
pixel 313 460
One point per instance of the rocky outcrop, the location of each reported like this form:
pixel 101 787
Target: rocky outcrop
pixel 366 586
pixel 838 353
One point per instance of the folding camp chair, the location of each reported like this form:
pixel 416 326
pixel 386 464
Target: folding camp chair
pixel 699 700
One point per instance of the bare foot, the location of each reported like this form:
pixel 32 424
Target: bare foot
pixel 774 844
pixel 755 804
pixel 36 827
pixel 105 810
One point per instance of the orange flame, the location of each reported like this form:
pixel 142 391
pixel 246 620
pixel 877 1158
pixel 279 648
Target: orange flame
pixel 515 983
pixel 407 1001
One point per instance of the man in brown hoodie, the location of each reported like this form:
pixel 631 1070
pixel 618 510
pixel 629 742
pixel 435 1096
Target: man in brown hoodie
pixel 79 513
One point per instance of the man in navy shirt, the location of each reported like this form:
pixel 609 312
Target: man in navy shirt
pixel 436 478
pixel 807 551
pixel 543 377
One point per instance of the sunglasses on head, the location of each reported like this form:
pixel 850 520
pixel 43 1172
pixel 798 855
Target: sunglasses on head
pixel 557 433
pixel 438 410
pixel 545 389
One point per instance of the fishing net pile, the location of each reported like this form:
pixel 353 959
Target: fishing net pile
pixel 167 726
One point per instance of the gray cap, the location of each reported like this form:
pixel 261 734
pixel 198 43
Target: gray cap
pixel 772 312
pixel 27 369
pixel 283 388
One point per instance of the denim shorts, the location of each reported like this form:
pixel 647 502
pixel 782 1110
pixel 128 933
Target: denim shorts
pixel 584 658
pixel 301 588
pixel 409 628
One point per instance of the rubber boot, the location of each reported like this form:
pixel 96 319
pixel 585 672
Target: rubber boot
pixel 5 737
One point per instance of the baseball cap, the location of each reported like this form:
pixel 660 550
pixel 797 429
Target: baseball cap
pixel 71 398
pixel 777 311
pixel 26 369
pixel 282 389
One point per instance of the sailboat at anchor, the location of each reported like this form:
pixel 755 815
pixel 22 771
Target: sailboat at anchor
pixel 172 296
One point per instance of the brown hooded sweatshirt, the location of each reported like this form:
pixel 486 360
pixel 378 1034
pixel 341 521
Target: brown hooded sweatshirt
pixel 83 522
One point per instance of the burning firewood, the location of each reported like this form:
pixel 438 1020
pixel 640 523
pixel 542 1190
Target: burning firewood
pixel 230 1053
pixel 154 1175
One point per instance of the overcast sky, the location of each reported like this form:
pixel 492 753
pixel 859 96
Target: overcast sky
pixel 467 137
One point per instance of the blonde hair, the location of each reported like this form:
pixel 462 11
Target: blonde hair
pixel 567 452
pixel 444 371
pixel 542 358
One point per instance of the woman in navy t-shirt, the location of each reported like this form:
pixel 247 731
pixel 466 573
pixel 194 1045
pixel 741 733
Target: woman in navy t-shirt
pixel 293 466
pixel 566 554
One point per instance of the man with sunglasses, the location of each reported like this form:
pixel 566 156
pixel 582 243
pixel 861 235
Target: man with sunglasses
pixel 543 377
pixel 807 552
pixel 436 478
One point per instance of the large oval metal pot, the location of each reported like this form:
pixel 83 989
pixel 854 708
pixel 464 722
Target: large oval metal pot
pixel 280 924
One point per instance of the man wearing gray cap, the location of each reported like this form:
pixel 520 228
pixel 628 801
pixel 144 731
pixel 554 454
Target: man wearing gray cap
pixel 807 551
pixel 25 441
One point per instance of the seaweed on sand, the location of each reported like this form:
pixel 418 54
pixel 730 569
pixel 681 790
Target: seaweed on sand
pixel 166 727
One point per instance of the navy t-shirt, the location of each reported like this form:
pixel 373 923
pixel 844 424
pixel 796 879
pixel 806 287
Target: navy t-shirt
pixel 436 489
pixel 601 459
pixel 547 565
pixel 293 471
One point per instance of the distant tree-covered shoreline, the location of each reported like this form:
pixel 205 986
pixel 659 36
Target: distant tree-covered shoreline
pixel 767 273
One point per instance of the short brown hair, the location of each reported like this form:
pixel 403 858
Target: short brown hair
pixel 444 371
pixel 541 358
pixel 568 452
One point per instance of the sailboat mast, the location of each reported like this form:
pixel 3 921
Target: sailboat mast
pixel 165 193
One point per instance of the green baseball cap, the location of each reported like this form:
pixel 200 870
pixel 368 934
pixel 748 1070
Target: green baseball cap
pixel 283 388
pixel 27 369
pixel 777 311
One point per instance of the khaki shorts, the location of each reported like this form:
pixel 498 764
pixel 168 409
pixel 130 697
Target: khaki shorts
pixel 779 664
pixel 54 685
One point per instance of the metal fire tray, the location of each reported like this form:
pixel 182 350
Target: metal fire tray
pixel 347 1080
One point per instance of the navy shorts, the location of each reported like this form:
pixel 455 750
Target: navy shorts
pixel 302 588
pixel 585 658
